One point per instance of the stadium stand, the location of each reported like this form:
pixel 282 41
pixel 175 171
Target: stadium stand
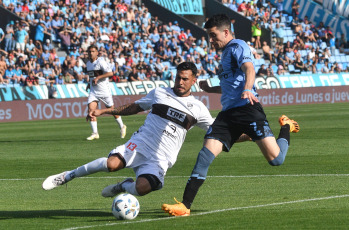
pixel 128 35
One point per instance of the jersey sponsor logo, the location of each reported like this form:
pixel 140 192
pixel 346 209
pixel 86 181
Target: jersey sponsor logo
pixel 179 117
pixel 171 112
pixel 171 132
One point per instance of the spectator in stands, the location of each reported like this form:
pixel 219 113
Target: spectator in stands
pixel 336 68
pixel 177 59
pixel 262 71
pixel 10 75
pixel 52 91
pixel 256 34
pixel 19 75
pixel 242 8
pixel 332 43
pixel 267 52
pixel 211 68
pixel 31 80
pixel 279 33
pixel 48 73
pixel 167 74
pixel 3 65
pixel 48 45
pixel 133 75
pixel 295 9
pixel 65 39
pixel 9 37
pixel 326 67
pixel 2 80
pixel 298 63
pixel 22 65
pixel 253 50
pixel 270 71
pixel 200 68
pixel 21 37
pixel 281 70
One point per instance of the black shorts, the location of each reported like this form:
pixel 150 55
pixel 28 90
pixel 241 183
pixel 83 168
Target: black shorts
pixel 230 124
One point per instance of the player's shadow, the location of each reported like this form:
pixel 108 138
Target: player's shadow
pixel 52 214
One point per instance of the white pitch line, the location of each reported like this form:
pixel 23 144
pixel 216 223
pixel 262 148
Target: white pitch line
pixel 168 177
pixel 210 212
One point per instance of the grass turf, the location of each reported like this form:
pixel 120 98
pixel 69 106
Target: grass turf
pixel 310 191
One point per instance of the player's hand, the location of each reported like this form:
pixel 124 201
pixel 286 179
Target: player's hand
pixel 93 114
pixel 95 81
pixel 249 95
pixel 204 85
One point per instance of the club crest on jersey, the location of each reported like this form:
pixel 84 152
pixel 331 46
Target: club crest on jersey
pixel 178 115
pixel 189 105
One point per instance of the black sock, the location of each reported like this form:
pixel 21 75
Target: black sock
pixel 191 190
pixel 285 133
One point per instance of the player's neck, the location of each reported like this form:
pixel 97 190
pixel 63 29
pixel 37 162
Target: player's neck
pixel 93 59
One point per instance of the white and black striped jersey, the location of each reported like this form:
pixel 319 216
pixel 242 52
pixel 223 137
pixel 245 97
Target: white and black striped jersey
pixel 166 126
pixel 94 69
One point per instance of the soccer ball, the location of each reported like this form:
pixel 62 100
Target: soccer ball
pixel 125 207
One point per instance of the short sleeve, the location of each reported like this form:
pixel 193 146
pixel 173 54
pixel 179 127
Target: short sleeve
pixel 147 101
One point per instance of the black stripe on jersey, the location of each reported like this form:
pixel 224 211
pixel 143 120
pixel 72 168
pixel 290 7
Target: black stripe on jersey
pixel 179 117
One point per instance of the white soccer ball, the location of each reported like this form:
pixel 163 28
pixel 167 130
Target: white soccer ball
pixel 125 207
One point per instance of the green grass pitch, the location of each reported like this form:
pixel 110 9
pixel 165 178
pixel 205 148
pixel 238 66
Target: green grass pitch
pixel 309 191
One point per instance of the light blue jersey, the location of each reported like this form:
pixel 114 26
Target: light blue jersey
pixel 232 78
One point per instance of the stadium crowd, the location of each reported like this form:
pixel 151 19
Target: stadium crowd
pixel 139 46
pixel 298 45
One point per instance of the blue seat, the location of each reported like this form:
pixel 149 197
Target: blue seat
pixel 61 60
pixel 275 68
pixel 338 59
pixel 332 59
pixel 343 59
pixel 323 45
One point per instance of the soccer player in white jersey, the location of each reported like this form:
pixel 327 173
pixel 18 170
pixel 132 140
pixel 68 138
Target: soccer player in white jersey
pixel 99 72
pixel 155 146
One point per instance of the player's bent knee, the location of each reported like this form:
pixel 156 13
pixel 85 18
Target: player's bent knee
pixel 279 160
pixel 153 184
pixel 114 162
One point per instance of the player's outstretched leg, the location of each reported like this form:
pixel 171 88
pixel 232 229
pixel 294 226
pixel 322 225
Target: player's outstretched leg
pixel 178 209
pixel 54 181
pixel 283 141
pixel 98 165
pixel 114 189
pixel 294 127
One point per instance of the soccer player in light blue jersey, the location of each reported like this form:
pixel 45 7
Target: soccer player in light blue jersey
pixel 241 112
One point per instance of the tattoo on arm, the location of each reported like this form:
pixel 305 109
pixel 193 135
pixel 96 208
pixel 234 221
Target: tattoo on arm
pixel 128 109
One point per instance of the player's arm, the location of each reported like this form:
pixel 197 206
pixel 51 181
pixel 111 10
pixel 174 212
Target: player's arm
pixel 104 75
pixel 205 87
pixel 250 73
pixel 128 109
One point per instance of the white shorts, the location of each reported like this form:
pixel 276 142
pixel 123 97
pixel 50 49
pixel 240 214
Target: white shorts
pixel 107 99
pixel 139 163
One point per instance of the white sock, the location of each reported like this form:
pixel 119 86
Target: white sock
pixel 94 126
pixel 119 121
pixel 130 187
pixel 98 165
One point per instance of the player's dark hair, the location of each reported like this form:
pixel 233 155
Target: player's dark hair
pixel 221 21
pixel 92 46
pixel 188 66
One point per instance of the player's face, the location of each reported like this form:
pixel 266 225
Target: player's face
pixel 218 37
pixel 93 53
pixel 184 81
